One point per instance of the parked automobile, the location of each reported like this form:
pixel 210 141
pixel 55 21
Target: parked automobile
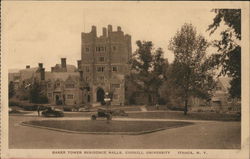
pixel 102 113
pixel 50 112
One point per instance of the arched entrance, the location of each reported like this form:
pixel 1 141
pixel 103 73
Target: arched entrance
pixel 100 95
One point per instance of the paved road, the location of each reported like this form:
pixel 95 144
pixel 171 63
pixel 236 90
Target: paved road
pixel 201 135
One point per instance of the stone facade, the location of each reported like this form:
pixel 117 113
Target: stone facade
pixel 104 63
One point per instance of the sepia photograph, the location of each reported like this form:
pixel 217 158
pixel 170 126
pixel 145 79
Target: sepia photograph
pixel 125 79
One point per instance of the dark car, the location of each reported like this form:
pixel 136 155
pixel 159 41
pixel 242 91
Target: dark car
pixel 102 113
pixel 49 112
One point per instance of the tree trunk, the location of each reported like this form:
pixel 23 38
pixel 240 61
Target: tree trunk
pixel 186 107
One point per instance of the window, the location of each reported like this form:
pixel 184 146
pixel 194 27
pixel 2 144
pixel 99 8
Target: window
pixel 114 48
pixel 114 68
pixel 101 59
pixel 87 49
pixel 100 49
pixel 113 86
pixel 70 96
pixel 87 68
pixel 69 85
pixel 100 69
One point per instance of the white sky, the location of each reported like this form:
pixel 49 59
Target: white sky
pixel 46 31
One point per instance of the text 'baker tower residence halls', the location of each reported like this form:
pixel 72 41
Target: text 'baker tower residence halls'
pixel 104 64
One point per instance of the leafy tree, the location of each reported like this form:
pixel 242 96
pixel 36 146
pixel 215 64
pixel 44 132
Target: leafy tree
pixel 11 89
pixel 36 93
pixel 228 57
pixel 190 72
pixel 147 70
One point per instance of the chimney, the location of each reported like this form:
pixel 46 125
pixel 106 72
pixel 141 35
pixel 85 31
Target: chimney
pixel 42 74
pixel 40 65
pixel 119 28
pixel 52 69
pixel 104 32
pixel 93 30
pixel 109 29
pixel 27 66
pixel 63 62
pixel 79 63
pixel 81 75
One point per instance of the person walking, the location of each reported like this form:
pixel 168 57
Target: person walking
pixel 38 110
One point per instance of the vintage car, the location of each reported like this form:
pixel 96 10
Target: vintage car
pixel 51 112
pixel 102 113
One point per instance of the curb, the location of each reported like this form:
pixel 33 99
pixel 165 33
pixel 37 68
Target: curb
pixel 105 133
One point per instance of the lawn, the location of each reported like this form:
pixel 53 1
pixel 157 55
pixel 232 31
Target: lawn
pixel 101 126
pixel 169 115
pixel 189 116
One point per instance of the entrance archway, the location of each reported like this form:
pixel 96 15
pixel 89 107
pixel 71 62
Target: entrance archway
pixel 100 95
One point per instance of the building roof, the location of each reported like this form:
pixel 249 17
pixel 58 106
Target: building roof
pixel 70 68
pixel 53 76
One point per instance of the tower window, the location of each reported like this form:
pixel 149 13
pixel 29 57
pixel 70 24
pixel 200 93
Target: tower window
pixel 100 69
pixel 114 69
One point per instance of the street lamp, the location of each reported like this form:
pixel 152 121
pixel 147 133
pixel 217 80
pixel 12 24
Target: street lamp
pixel 107 100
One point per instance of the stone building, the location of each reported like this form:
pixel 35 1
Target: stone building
pixel 61 84
pixel 104 63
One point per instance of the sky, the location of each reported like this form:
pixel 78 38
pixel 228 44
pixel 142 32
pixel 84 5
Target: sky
pixel 45 31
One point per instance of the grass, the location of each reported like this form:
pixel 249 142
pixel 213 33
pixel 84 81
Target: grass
pixel 102 126
pixel 170 115
pixel 190 116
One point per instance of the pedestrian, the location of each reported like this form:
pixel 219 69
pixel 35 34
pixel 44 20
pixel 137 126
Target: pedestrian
pixel 38 110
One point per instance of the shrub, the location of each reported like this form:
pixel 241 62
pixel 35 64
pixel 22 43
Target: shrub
pixel 43 100
pixel 24 98
pixel 175 108
pixel 14 103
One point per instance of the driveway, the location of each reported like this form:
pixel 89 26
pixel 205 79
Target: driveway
pixel 201 135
